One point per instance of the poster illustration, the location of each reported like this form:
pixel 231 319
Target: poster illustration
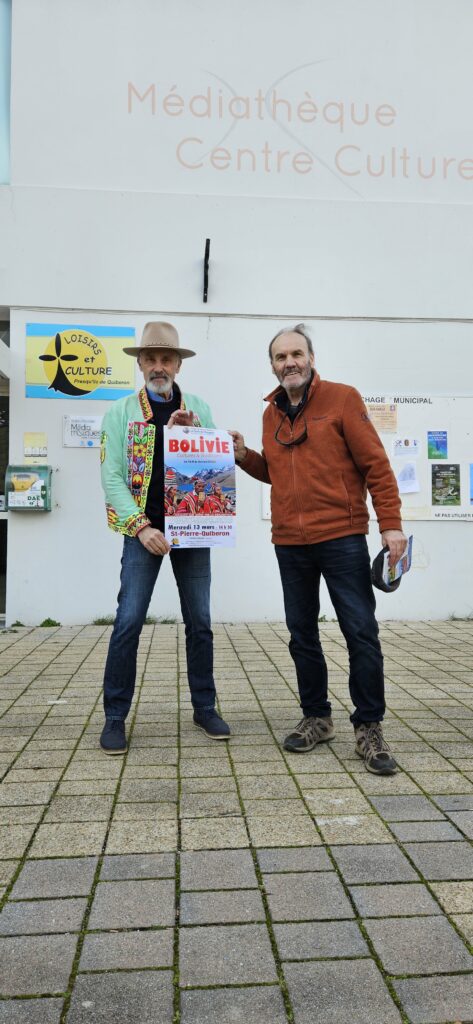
pixel 445 484
pixel 471 483
pixel 78 361
pixel 437 444
pixel 199 487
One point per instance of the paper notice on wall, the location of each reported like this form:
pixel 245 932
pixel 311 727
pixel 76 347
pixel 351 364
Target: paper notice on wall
pixel 437 444
pixel 81 431
pixel 35 448
pixel 471 483
pixel 406 447
pixel 407 479
pixel 446 484
pixel 199 488
pixel 383 416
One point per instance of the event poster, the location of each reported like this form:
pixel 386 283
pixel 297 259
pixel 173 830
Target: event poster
pixel 437 444
pixel 445 484
pixel 79 361
pixel 199 487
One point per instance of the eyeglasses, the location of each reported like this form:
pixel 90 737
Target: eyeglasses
pixel 293 441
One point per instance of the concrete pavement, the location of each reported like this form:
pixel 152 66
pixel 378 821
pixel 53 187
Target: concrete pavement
pixel 212 883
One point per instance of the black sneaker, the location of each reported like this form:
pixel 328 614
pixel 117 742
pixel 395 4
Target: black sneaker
pixel 308 733
pixel 372 747
pixel 212 724
pixel 113 738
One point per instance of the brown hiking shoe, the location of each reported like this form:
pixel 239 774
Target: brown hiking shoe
pixel 372 747
pixel 308 733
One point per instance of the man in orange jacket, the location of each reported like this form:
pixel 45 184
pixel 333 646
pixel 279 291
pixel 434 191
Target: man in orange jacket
pixel 320 454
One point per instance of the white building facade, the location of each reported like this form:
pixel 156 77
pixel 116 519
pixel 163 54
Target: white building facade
pixel 325 150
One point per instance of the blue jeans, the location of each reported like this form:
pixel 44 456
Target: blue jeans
pixel 344 564
pixel 140 570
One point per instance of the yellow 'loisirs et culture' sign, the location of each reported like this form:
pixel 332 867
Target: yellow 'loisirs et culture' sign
pixel 78 361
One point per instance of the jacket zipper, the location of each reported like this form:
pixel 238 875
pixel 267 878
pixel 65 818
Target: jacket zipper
pixel 349 505
pixel 296 493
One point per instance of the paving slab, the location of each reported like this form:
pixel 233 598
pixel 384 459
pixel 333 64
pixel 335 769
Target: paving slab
pixel 455 897
pixel 425 831
pixel 73 839
pixel 454 803
pixel 32 965
pixel 373 864
pixel 123 866
pixel 436 1000
pixel 133 904
pixel 442 861
pixel 226 955
pixel 137 949
pixel 340 990
pixel 306 897
pixel 295 859
pixel 36 917
pixel 55 878
pixel 324 939
pixel 406 808
pixel 127 997
pixel 217 869
pixel 263 1005
pixel 423 945
pixel 394 900
pixel 230 906
pixel 31 1011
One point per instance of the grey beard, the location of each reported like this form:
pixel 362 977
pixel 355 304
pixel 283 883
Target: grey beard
pixel 160 387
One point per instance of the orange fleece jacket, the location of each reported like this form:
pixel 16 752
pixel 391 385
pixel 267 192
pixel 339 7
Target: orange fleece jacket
pixel 318 488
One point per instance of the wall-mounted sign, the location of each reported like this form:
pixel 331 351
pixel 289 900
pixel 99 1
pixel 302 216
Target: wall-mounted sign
pixel 35 447
pixel 78 361
pixel 81 431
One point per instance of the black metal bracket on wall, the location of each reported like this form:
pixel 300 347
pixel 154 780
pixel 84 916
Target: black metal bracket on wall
pixel 206 269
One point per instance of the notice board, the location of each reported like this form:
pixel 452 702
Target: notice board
pixel 428 439
pixel 429 443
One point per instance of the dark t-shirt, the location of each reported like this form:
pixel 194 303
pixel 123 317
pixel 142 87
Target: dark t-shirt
pixel 155 501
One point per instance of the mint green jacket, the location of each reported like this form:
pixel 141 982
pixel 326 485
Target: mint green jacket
pixel 126 457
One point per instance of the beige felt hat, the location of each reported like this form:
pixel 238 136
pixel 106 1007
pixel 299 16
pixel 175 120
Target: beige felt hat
pixel 157 334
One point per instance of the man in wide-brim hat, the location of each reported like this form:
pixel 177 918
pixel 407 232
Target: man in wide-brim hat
pixel 132 459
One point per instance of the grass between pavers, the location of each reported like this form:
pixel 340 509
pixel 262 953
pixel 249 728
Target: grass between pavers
pixel 56 787
pixel 352 775
pixel 269 924
pixel 85 920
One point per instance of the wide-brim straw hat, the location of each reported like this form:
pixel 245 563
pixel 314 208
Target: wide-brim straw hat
pixel 157 334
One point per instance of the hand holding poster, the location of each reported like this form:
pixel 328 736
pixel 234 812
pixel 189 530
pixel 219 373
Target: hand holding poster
pixel 199 487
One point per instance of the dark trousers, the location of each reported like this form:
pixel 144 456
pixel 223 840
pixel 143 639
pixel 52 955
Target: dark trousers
pixel 345 566
pixel 140 570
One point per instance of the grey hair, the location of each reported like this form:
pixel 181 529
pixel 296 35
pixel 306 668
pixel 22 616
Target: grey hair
pixel 298 329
